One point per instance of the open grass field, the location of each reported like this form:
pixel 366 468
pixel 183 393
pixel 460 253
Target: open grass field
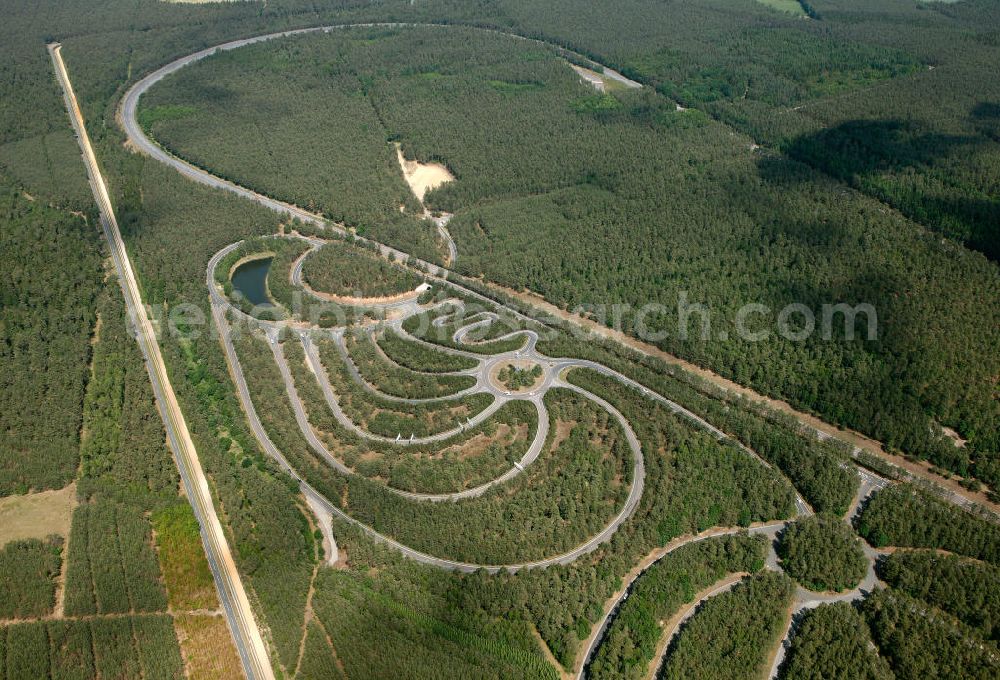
pixel 182 559
pixel 207 647
pixel 37 515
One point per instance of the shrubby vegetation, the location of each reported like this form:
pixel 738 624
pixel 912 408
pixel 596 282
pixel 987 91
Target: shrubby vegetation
pixel 903 515
pixel 966 589
pixel 732 634
pixel 630 641
pixel 419 357
pixel 341 269
pixel 922 642
pixel 28 570
pixel 822 553
pixel 396 380
pixel 389 418
pixel 285 300
pixel 832 643
pixel 186 574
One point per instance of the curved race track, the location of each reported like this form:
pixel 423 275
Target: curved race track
pixel 554 367
pixel 220 307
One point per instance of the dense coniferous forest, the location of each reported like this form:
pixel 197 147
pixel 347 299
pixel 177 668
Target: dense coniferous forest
pixel 966 589
pixel 902 515
pixel 812 243
pixel 49 284
pixel 124 453
pixel 122 647
pixel 732 489
pixel 731 634
pixel 674 580
pixel 339 269
pixel 832 643
pixel 822 552
pixel 419 357
pixel 112 568
pixel 394 379
pixel 814 470
pixel 922 642
pixel 28 570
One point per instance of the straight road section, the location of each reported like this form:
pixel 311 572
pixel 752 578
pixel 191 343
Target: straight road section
pixel 253 653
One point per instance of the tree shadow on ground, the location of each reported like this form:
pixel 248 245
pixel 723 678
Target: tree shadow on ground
pixel 860 148
pixel 917 172
pixel 985 118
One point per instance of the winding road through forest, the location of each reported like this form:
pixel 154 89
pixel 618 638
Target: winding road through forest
pixel 239 613
pixel 553 369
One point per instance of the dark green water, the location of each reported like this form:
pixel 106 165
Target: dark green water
pixel 250 279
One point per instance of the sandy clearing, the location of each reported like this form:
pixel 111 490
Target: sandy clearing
pixel 422 177
pixel 37 515
pixel 592 78
pixel 954 436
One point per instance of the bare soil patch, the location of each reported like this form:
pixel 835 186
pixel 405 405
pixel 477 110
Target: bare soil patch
pixel 563 428
pixel 422 177
pixel 37 515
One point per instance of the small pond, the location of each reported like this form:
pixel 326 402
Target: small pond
pixel 250 279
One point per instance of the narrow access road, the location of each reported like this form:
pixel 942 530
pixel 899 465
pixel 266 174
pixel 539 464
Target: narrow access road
pixel 239 614
pixel 598 632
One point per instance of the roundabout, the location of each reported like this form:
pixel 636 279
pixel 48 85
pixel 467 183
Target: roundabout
pixel 499 343
pixel 386 400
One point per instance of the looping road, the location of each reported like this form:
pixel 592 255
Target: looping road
pixel 554 367
pixel 221 307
